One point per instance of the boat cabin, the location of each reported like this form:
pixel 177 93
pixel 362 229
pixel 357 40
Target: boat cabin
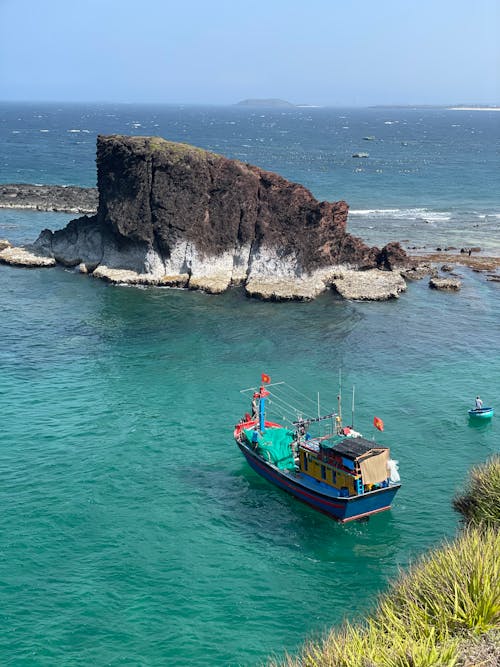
pixel 352 466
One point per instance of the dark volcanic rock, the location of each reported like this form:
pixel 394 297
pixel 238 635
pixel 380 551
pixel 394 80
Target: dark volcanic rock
pixel 176 214
pixel 392 256
pixel 66 199
pixel 161 192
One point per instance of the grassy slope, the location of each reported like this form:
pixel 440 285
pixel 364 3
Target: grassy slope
pixel 443 612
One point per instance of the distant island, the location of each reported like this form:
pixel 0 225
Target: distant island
pixel 272 102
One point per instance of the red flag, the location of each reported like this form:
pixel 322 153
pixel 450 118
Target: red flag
pixel 265 378
pixel 378 423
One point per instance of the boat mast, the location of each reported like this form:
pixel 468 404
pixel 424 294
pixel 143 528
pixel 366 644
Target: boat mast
pixel 263 393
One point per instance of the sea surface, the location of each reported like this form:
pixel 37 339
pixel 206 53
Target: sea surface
pixel 132 531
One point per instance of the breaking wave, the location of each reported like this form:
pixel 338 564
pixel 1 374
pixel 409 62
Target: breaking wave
pixel 403 214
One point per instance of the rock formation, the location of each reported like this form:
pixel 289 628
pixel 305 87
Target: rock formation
pixel 173 214
pixel 62 198
pixel 452 284
pixel 23 257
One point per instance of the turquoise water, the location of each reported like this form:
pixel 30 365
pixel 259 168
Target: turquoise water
pixel 132 531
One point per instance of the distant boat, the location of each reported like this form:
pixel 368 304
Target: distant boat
pixel 339 473
pixel 369 138
pixel 481 413
pixel 361 155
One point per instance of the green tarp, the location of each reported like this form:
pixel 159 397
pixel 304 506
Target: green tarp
pixel 274 445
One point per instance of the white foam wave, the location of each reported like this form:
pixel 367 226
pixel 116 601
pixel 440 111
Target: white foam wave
pixel 402 213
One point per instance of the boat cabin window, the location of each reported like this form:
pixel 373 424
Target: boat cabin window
pixel 323 472
pixel 305 461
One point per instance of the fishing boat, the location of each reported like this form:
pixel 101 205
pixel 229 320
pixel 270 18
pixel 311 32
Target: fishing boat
pixel 481 413
pixel 334 470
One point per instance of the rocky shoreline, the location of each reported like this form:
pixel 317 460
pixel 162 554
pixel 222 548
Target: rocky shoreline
pixel 474 261
pixel 60 198
pixel 368 285
pixel 353 284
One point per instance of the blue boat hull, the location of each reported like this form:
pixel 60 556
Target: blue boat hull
pixel 483 413
pixel 342 509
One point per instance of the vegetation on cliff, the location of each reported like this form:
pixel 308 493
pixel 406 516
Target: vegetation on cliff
pixel 479 503
pixel 444 611
pixel 175 149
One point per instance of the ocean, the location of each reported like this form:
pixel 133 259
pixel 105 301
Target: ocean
pixel 132 531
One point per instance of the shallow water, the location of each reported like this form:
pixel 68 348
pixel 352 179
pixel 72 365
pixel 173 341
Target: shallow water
pixel 132 529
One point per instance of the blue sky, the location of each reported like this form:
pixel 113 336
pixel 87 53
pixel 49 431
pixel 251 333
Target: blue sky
pixel 327 52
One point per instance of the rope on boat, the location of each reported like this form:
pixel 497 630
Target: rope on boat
pixel 290 409
pixel 307 398
pixel 282 403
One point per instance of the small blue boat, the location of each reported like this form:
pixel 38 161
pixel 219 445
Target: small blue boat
pixel 339 473
pixel 481 413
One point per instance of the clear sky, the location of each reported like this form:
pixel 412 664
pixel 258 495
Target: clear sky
pixel 326 52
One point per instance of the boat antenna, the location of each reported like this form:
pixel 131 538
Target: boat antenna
pixel 339 402
pixel 319 415
pixel 339 397
pixel 352 421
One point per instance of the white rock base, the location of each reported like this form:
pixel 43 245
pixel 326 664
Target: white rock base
pixel 23 257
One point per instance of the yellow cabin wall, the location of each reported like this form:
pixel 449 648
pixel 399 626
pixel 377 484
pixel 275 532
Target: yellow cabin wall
pixel 314 469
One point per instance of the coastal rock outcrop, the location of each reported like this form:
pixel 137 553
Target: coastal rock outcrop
pixel 23 257
pixel 451 284
pixel 62 198
pixel 173 214
pixel 419 271
pixel 371 285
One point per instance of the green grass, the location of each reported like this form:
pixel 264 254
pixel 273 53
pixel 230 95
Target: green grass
pixel 176 150
pixel 479 503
